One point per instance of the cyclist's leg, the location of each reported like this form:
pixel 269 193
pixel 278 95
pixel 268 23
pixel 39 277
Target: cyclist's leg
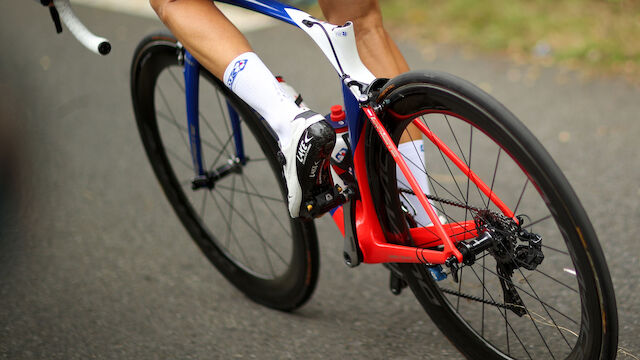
pixel 221 48
pixel 377 50
pixel 196 23
pixel 381 56
pixel 218 45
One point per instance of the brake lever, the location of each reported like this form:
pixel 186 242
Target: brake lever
pixel 55 16
pixel 61 12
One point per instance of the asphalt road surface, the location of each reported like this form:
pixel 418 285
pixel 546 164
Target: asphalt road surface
pixel 94 263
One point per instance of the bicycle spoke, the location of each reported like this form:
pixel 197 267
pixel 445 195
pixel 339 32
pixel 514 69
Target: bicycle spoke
pixel 464 159
pixel 181 86
pixel 515 210
pixel 434 189
pixel 455 138
pixel 231 207
pixel 273 198
pixel 207 123
pixel 505 318
pixel 527 226
pixel 226 122
pixel 539 300
pixel 202 206
pixel 275 216
pixel 466 211
pixel 554 249
pixel 246 260
pixel 176 157
pixel 506 330
pixel 446 163
pixel 438 206
pixel 248 224
pixel 526 292
pixel 459 289
pixel 483 293
pixel 556 280
pixel 168 119
pixel 224 147
pixel 186 131
pixel 172 115
pixel 175 80
pixel 255 219
pixel 493 180
pixel 222 213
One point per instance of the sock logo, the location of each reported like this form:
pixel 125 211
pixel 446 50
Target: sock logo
pixel 303 148
pixel 237 67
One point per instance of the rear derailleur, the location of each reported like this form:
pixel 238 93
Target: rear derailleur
pixel 512 247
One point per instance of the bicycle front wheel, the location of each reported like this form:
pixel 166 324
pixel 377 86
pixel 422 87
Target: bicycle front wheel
pixel 240 222
pixel 542 288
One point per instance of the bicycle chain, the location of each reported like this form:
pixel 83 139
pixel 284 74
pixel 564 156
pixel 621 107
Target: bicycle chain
pixel 505 220
pixel 511 307
pixel 444 201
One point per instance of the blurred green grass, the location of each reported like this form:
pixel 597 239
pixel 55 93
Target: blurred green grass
pixel 601 36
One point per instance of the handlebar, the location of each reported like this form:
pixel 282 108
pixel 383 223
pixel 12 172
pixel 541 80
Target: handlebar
pixel 98 45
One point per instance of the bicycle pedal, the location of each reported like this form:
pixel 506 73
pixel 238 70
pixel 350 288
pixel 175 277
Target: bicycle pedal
pixel 324 201
pixel 437 273
pixel 396 283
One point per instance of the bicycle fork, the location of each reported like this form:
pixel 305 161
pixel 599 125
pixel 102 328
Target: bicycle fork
pixel 204 177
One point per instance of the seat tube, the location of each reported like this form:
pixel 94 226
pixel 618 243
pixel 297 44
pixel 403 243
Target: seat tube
pixel 191 81
pixel 354 119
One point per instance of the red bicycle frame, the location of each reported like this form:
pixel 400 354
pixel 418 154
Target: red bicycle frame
pixel 370 237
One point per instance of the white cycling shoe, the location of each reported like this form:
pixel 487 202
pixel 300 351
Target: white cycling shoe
pixel 306 157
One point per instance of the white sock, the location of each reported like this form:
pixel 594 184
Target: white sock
pixel 251 80
pixel 413 154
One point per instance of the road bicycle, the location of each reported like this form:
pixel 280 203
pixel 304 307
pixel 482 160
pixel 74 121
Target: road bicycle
pixel 509 265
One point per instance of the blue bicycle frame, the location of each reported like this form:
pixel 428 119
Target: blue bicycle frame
pixel 355 119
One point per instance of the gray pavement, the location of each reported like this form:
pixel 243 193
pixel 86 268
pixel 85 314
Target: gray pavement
pixel 94 264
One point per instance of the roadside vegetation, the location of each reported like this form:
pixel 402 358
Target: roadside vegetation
pixel 596 36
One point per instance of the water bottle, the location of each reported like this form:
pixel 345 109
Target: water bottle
pixel 341 157
pixel 289 90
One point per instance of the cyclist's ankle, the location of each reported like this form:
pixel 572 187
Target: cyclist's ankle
pixel 249 78
pixel 413 154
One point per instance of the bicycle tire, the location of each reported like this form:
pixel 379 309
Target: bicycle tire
pixel 569 303
pixel 270 257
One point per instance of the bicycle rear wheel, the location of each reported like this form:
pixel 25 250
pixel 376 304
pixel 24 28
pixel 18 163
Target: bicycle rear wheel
pixel 505 304
pixel 241 223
